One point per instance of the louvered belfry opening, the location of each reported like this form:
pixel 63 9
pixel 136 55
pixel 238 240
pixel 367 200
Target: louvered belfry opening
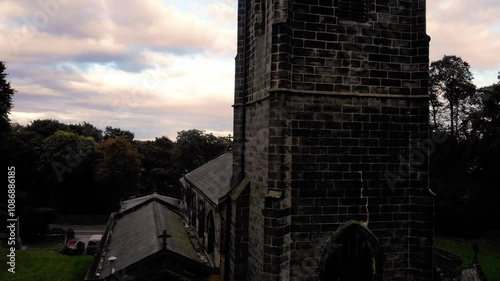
pixel 353 10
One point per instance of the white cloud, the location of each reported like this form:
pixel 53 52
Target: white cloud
pixel 24 118
pixel 466 29
pixel 11 9
pixel 138 65
pixel 159 67
pixel 222 12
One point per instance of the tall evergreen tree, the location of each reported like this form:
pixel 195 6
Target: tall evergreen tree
pixel 6 93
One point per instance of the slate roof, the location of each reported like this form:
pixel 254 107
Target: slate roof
pixel 213 178
pixel 132 202
pixel 134 236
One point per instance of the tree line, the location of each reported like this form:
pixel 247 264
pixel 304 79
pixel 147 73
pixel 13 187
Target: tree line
pixel 77 169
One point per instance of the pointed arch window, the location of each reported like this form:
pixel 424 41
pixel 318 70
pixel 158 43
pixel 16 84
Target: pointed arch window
pixel 192 209
pixel 201 219
pixel 211 233
pixel 353 10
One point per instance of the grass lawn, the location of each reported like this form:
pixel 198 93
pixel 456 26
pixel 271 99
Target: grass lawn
pixel 44 263
pixel 489 253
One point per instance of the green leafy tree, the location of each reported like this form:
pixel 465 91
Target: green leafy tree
pixel 50 171
pixel 67 161
pixel 87 130
pixel 46 127
pixel 23 147
pixel 118 168
pixel 195 148
pixel 159 171
pixel 450 81
pixel 6 94
pixel 55 165
pixel 111 132
pixel 64 152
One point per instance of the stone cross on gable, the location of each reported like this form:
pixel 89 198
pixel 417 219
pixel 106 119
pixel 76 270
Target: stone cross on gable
pixel 164 236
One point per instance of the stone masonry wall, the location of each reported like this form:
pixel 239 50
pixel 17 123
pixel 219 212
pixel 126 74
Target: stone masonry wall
pixel 251 127
pixel 341 150
pixel 324 110
pixel 386 56
pixel 237 249
pixel 256 169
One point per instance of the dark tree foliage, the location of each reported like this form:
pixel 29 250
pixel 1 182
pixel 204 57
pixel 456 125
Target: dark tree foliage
pixel 69 168
pixel 23 152
pixel 159 172
pixel 66 149
pixel 23 147
pixel 450 81
pixel 6 94
pixel 484 146
pixel 87 130
pixel 450 179
pixel 118 169
pixel 46 127
pixel 435 104
pixel 484 120
pixel 195 148
pixel 464 170
pixel 67 162
pixel 111 132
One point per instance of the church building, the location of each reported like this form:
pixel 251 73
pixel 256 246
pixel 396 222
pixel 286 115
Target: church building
pixel 327 178
pixel 329 175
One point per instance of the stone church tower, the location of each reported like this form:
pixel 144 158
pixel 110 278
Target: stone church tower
pixel 330 126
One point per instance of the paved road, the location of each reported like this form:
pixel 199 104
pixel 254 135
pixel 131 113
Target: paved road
pixel 83 232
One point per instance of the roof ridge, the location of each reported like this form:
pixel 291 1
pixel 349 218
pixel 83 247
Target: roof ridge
pixel 210 161
pixel 213 179
pixel 156 219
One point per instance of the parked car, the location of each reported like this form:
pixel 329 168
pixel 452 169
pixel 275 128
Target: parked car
pixel 74 247
pixel 93 244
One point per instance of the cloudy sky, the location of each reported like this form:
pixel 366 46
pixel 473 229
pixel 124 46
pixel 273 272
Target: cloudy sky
pixel 157 67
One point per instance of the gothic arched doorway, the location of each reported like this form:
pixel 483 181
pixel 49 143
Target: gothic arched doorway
pixel 352 254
